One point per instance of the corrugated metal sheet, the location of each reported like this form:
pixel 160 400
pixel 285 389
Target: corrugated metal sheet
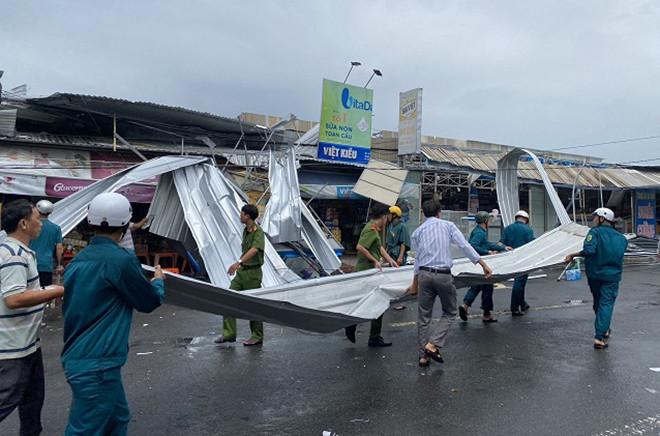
pixel 562 173
pixel 8 122
pixel 106 144
pixel 507 183
pixel 146 111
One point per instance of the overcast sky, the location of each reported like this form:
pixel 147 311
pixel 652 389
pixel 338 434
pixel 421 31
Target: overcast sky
pixel 543 74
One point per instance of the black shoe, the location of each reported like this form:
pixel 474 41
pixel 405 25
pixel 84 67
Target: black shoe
pixel 462 312
pixel 222 340
pixel 350 332
pixel 525 307
pixel 517 313
pixel 378 341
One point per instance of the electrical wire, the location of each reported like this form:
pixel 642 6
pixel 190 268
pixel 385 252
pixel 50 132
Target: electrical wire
pixel 598 144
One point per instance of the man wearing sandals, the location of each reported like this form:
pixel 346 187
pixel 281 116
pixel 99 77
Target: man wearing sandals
pixel 431 242
pixel 479 240
pixel 603 252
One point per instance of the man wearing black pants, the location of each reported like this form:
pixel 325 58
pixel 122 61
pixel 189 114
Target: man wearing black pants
pixel 47 244
pixel 22 301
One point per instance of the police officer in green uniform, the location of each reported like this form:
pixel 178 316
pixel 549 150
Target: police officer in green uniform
pixel 481 244
pixel 104 283
pixel 397 240
pixel 370 250
pixel 603 251
pixel 248 274
pixel 516 235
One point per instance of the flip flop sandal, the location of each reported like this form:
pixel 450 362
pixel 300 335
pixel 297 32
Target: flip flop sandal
pixel 462 313
pixel 600 345
pixel 435 355
pixel 424 362
pixel 489 320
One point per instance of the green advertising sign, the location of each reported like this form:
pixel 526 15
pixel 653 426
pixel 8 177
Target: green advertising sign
pixel 345 130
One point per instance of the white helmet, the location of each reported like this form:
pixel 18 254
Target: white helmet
pixel 111 208
pixel 45 207
pixel 605 213
pixel 522 213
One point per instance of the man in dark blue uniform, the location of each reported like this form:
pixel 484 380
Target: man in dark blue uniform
pixel 516 235
pixel 603 252
pixel 104 285
pixel 479 241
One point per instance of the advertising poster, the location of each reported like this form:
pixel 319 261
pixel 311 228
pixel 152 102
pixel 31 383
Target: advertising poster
pixel 410 121
pixel 345 129
pixel 646 220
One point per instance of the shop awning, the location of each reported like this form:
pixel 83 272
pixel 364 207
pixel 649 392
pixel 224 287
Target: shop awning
pixel 46 172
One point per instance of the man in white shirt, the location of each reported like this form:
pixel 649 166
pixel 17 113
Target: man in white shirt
pixel 21 311
pixel 433 261
pixel 127 241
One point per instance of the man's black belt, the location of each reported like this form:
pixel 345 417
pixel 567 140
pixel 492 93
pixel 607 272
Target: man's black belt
pixel 435 270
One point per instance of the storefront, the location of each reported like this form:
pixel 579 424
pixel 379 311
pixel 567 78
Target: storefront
pixel 37 173
pixel 330 194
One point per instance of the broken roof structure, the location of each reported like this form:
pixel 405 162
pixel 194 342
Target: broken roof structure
pixel 194 200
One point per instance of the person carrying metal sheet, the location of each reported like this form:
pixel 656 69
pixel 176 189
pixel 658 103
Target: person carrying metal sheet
pixel 397 240
pixel 479 241
pixel 433 261
pixel 603 251
pixel 248 274
pixel 516 235
pixel 370 250
pixel 48 243
pixel 104 283
pixel 21 311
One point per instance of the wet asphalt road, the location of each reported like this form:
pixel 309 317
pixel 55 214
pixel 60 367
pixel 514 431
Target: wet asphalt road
pixel 535 375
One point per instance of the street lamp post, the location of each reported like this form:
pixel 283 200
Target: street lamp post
pixel 375 73
pixel 353 64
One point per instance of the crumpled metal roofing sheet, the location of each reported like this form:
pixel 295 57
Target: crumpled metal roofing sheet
pixel 212 211
pixel 322 304
pixel 67 213
pixel 506 181
pixel 201 188
pixel 282 221
pixel 317 241
pixel 285 205
pixel 330 303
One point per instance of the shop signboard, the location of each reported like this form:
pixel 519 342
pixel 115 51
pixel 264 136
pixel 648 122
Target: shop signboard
pixel 410 121
pixel 345 128
pixel 60 187
pixel 645 208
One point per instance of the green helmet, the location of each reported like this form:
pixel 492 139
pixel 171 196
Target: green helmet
pixel 481 217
